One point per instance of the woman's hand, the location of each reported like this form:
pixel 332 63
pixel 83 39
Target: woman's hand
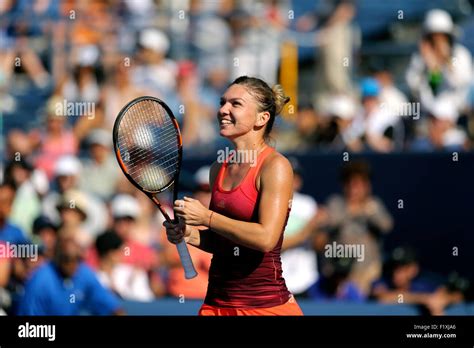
pixel 192 212
pixel 177 231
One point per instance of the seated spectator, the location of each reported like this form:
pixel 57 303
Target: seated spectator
pixel 45 232
pixel 390 96
pixel 340 132
pixel 56 140
pixel 358 218
pixel 383 129
pixel 125 212
pixel 67 173
pixel 306 133
pixel 153 70
pixel 298 257
pixel 334 282
pixel 442 68
pixel 9 232
pixel 119 91
pixel 30 185
pixel 67 286
pixel 73 213
pixel 128 282
pixel 443 133
pixel 402 283
pixel 99 173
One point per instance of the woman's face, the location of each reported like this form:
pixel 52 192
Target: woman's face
pixel 237 112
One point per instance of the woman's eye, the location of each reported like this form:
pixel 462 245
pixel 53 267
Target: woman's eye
pixel 236 104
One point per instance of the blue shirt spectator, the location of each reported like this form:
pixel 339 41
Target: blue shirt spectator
pixel 12 234
pixel 47 292
pixel 347 291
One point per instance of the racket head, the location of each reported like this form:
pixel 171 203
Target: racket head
pixel 148 145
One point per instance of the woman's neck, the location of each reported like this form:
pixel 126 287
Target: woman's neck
pixel 248 143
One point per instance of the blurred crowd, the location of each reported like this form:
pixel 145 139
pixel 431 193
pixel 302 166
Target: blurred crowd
pixel 68 67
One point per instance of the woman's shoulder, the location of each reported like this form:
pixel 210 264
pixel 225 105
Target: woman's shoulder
pixel 276 161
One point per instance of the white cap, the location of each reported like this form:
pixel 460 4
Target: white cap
pixel 68 165
pixel 125 206
pixel 444 109
pixel 155 40
pixel 101 137
pixel 88 55
pixel 341 106
pixel 202 176
pixel 438 21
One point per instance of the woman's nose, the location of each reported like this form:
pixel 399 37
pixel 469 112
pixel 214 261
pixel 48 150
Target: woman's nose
pixel 224 109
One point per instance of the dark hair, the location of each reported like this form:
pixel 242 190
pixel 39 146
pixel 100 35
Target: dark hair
pixel 268 99
pixel 107 242
pixel 356 168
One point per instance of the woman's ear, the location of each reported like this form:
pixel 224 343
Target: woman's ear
pixel 262 118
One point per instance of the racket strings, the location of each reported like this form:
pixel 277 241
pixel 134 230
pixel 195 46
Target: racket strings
pixel 149 145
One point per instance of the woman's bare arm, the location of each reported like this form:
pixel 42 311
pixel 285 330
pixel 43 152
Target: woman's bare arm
pixel 276 182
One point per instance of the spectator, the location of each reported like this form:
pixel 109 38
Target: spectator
pixel 443 133
pixel 337 40
pixel 306 133
pixel 31 184
pixel 67 286
pixel 390 96
pixel 359 218
pixel 155 72
pixel 128 282
pixel 99 173
pixel 340 131
pixel 335 283
pixel 56 140
pixel 125 211
pixel 73 212
pixel 383 130
pixel 67 173
pixel 9 232
pixel 46 233
pixel 442 68
pixel 119 90
pixel 298 258
pixel 402 283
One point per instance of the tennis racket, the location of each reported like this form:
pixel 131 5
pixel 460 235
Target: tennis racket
pixel 148 146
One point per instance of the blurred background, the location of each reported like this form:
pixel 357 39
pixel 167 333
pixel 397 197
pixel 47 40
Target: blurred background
pixel 379 130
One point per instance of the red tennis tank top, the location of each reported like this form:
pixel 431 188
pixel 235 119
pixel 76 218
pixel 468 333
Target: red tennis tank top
pixel 241 277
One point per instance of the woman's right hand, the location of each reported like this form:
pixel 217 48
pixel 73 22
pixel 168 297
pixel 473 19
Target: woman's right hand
pixel 175 232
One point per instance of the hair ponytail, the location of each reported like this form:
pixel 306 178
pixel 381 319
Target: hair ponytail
pixel 268 99
pixel 280 98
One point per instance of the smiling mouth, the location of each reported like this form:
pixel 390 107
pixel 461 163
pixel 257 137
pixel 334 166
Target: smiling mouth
pixel 224 122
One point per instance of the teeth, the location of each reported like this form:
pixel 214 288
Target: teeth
pixel 226 122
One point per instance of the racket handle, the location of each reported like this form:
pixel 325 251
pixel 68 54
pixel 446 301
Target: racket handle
pixel 186 261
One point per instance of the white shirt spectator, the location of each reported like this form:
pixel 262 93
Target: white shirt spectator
pixel 456 79
pixel 129 282
pixel 299 264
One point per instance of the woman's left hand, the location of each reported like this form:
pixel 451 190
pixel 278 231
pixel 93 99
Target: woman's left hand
pixel 192 212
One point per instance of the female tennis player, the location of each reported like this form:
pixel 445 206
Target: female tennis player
pixel 243 227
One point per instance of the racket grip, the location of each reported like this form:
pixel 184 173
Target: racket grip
pixel 186 261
